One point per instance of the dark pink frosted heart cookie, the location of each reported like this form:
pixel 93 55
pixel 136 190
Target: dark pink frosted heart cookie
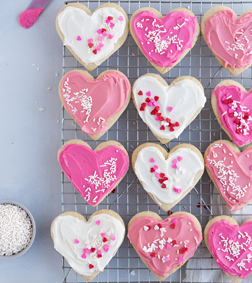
pixel 230 245
pixel 164 245
pixel 164 41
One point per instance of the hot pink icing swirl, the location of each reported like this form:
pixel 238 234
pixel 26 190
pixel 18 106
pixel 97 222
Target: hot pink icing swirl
pixel 230 37
pixel 163 41
pixel 93 173
pixel 232 173
pixel 235 109
pixel 165 244
pixel 231 247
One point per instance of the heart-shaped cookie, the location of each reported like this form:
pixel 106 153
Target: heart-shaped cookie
pixel 94 173
pixel 95 104
pixel 92 37
pixel 88 246
pixel 167 177
pixel 229 37
pixel 232 106
pixel 231 172
pixel 230 245
pixel 164 245
pixel 164 41
pixel 167 110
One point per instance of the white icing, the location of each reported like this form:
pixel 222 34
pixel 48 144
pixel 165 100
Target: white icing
pixel 68 228
pixel 185 97
pixel 182 177
pixel 74 22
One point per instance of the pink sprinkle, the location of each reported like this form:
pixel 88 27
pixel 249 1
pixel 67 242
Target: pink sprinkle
pixel 99 31
pixel 110 36
pixel 84 256
pixel 175 221
pixel 152 100
pixel 230 105
pixel 155 167
pixel 104 33
pixel 177 190
pixel 112 25
pixel 250 168
pixel 168 246
pixel 155 103
pixel 180 158
pixel 99 252
pixel 174 166
pixel 76 241
pixel 180 259
pixel 98 48
pixel 238 109
pixel 174 160
pixel 100 38
pixel 157 118
pixel 106 248
pixel 90 40
pixel 157 175
pixel 167 258
pixel 87 251
pixel 78 38
pixel 101 44
pixel 169 108
pixel 150 104
pixel 152 160
pixel 113 237
pixel 107 21
pixel 98 222
pixel 103 235
pixel 231 110
pixel 120 18
pixel 148 93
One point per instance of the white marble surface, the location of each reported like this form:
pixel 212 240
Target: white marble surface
pixel 30 138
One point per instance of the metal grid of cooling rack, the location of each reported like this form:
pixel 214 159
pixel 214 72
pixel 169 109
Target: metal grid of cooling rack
pixel 129 197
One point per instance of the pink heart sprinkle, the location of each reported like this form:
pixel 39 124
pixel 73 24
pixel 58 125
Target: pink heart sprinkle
pixel 149 104
pixel 250 168
pixel 231 110
pixel 99 31
pixel 177 190
pixel 157 118
pixel 152 160
pixel 87 251
pixel 157 175
pixel 100 38
pixel 106 248
pixel 148 93
pixel 103 235
pixel 98 222
pixel 174 160
pixel 101 44
pixel 168 246
pixel 107 21
pixel 169 108
pixel 90 40
pixel 180 259
pixel 155 167
pixel 230 105
pixel 155 103
pixel 120 18
pixel 99 252
pixel 104 33
pixel 167 258
pixel 152 100
pixel 174 166
pixel 84 256
pixel 98 48
pixel 180 158
pixel 76 241
pixel 113 237
pixel 78 38
pixel 112 25
pixel 110 36
pixel 238 109
pixel 175 221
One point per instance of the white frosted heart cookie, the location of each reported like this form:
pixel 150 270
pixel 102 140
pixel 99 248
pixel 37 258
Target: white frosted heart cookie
pixel 167 177
pixel 92 37
pixel 167 109
pixel 88 246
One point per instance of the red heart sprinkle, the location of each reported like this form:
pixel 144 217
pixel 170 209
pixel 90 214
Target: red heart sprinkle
pixel 103 29
pixel 168 120
pixel 142 108
pixel 153 254
pixel 140 92
pixel 156 98
pixel 225 102
pixel 230 100
pixel 236 121
pixel 163 186
pixel 238 131
pixel 113 191
pixel 92 250
pixel 143 104
pixel 231 115
pixel 161 119
pixel 173 242
pixel 110 18
pixel 157 108
pixel 161 181
pixel 176 124
pixel 172 226
pixel 158 114
pixel 99 255
pixel 246 116
pixel 159 225
pixel 90 45
pixel 147 100
pixel 152 170
pixel 149 227
pixel 91 266
pixel 162 175
pixel 95 51
pixel 104 240
pixel 169 212
pixel 162 127
pixel 165 178
pixel 171 129
pixel 154 112
pixel 183 250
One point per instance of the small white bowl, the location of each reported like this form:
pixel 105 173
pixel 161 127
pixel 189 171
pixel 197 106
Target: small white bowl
pixel 33 230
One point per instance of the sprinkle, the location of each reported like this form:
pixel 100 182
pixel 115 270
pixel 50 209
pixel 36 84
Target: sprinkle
pixel 76 241
pixel 120 18
pixel 174 161
pixel 168 246
pixel 148 93
pixel 169 108
pixel 91 266
pixel 175 221
pixel 113 237
pixel 157 175
pixel 99 31
pixel 100 38
pixel 104 33
pixel 174 166
pixel 250 168
pixel 110 36
pixel 167 258
pixel 98 222
pixel 90 40
pixel 103 234
pixel 78 38
pixel 112 25
pixel 180 158
pixel 106 248
pixel 180 259
pixel 177 190
pixel 196 240
pixel 152 160
pixel 155 167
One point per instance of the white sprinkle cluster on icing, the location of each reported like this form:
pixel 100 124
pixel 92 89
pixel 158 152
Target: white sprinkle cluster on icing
pixel 15 229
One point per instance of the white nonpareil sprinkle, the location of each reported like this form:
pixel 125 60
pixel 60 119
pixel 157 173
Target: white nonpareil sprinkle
pixel 15 229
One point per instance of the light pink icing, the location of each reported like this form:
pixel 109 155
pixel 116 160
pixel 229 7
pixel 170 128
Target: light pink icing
pixel 231 173
pixel 231 247
pixel 93 173
pixel 234 108
pixel 93 102
pixel 230 37
pixel 163 41
pixel 165 244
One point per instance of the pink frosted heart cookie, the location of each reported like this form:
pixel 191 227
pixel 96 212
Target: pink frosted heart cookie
pixel 231 172
pixel 229 37
pixel 232 105
pixel 164 40
pixel 230 245
pixel 164 245
pixel 94 173
pixel 88 246
pixel 95 104
pixel 92 37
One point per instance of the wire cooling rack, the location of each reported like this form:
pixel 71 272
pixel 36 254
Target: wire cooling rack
pixel 129 197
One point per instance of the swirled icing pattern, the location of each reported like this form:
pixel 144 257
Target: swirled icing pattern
pixel 163 41
pixel 230 37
